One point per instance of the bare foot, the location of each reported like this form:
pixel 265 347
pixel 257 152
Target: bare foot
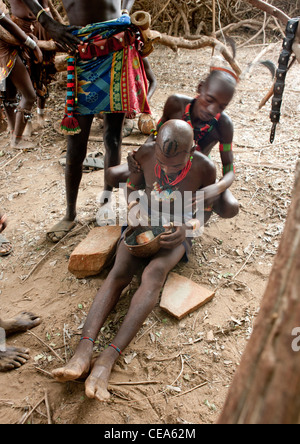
pixel 28 130
pixel 41 121
pixel 96 386
pixel 21 144
pixel 60 230
pixel 13 358
pixel 78 367
pixel 22 322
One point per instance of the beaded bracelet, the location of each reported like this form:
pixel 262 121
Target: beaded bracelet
pixel 116 348
pixel 89 339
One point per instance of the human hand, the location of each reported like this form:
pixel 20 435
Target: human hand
pixel 62 34
pixel 133 165
pixel 38 55
pixel 173 237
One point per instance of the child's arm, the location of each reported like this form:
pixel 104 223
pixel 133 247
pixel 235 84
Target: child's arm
pixel 136 180
pixel 20 35
pixel 226 142
pixel 150 77
pixel 60 33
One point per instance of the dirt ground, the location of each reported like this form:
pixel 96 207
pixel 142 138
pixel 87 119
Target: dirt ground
pixel 188 365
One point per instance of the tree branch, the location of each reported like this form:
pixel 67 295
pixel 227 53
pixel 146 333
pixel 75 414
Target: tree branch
pixel 270 9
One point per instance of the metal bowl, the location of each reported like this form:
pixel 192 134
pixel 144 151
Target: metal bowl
pixel 144 250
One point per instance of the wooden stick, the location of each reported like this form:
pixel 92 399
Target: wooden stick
pixel 135 383
pixel 11 160
pixel 214 18
pixel 56 15
pixel 191 390
pixel 145 332
pixel 24 419
pixel 270 9
pixel 71 233
pixel 48 407
pixel 46 345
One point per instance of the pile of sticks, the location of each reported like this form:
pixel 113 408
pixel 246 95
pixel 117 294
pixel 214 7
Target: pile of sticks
pixel 197 17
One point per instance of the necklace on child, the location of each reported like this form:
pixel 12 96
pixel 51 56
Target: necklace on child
pixel 199 133
pixel 164 188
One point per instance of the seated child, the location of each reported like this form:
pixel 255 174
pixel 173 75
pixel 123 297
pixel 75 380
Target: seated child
pixel 168 164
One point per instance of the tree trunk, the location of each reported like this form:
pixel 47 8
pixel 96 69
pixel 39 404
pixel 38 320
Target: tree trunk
pixel 266 387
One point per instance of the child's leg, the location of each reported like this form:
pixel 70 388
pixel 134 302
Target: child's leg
pixel 21 80
pixel 10 104
pixel 143 302
pixel 117 174
pixel 226 206
pixel 105 300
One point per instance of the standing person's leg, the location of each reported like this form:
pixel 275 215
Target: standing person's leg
pixel 76 153
pixel 112 136
pixel 10 104
pixel 22 82
pixel 41 104
pixel 142 303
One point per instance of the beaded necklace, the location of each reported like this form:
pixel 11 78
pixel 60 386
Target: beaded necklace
pixel 164 183
pixel 199 133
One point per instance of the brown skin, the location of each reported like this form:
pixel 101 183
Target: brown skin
pixel 81 13
pixel 20 10
pixel 202 174
pixel 19 80
pixel 5 247
pixel 14 357
pixel 214 97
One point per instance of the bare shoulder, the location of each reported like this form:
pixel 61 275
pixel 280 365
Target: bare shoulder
pixel 225 128
pixel 145 152
pixel 205 168
pixel 175 105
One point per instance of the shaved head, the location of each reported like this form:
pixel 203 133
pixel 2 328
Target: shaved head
pixel 175 137
pixel 222 78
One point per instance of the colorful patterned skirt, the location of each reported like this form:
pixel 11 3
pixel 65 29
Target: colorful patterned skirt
pixel 115 82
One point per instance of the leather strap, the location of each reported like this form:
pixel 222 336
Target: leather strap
pixel 102 47
pixel 281 72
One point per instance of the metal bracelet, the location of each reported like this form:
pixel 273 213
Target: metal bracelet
pixel 40 13
pixel 2 16
pixel 30 43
